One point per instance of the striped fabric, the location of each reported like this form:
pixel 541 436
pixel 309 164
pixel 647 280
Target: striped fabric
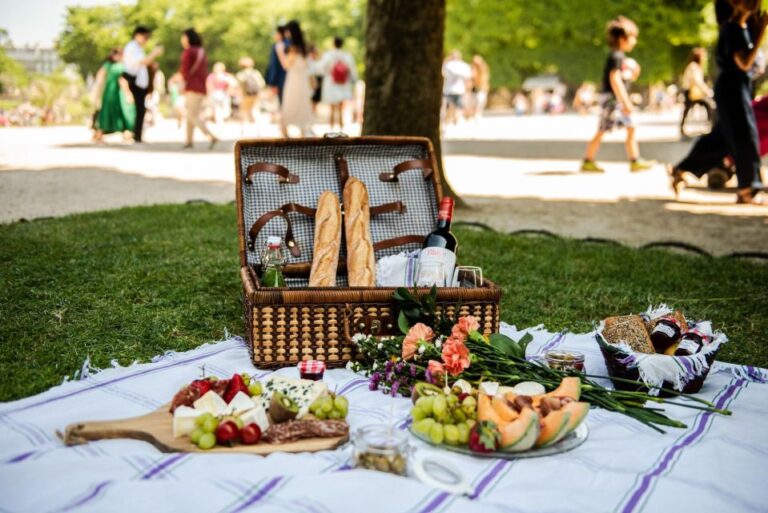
pixel 716 464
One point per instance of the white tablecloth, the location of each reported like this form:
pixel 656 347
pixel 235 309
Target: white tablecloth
pixel 717 464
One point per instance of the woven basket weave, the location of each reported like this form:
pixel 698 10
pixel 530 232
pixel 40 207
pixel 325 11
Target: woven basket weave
pixel 287 325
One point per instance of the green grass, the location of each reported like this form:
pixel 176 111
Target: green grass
pixel 133 283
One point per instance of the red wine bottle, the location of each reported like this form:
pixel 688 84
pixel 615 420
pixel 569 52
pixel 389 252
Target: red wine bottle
pixel 439 248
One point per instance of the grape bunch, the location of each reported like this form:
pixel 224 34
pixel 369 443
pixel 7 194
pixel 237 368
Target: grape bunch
pixel 444 418
pixel 204 436
pixel 330 407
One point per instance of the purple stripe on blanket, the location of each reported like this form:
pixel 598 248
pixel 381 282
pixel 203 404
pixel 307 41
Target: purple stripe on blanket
pixel 497 468
pixel 21 457
pixel 551 344
pixel 88 498
pixel 662 466
pixel 755 374
pixel 121 378
pixel 260 494
pixel 153 471
pixel 352 383
pixel 436 502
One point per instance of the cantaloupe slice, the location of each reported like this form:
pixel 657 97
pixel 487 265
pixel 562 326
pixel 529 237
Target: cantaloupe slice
pixel 578 413
pixel 485 410
pixel 554 429
pixel 521 434
pixel 503 410
pixel 569 387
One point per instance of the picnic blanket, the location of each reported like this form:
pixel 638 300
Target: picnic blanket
pixel 716 464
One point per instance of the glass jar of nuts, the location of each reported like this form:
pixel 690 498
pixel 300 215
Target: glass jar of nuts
pixel 565 360
pixel 381 448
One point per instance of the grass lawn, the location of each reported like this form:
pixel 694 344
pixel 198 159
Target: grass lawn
pixel 133 283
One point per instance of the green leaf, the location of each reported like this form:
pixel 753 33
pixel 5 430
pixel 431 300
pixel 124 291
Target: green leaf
pixel 402 322
pixel 523 343
pixel 505 344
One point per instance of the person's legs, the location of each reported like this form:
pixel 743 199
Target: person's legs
pixel 594 146
pixel 139 98
pixel 192 102
pixel 341 116
pixel 633 152
pixel 740 133
pixel 687 104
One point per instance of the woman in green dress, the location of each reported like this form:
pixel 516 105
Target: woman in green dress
pixel 117 112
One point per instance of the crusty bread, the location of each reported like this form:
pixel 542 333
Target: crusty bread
pixel 361 265
pixel 630 329
pixel 325 261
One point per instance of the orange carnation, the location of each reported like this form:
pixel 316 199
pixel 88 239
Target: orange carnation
pixel 455 355
pixel 417 332
pixel 463 326
pixel 435 368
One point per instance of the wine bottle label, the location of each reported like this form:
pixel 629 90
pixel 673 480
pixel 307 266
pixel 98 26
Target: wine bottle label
pixel 688 345
pixel 664 329
pixel 435 267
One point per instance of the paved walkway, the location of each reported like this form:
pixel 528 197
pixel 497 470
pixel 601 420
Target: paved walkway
pixel 516 173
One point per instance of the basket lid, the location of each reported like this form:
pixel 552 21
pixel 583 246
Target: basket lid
pixel 279 179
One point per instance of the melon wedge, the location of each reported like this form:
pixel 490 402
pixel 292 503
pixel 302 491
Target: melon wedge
pixel 521 434
pixel 578 413
pixel 503 410
pixel 485 410
pixel 569 387
pixel 555 427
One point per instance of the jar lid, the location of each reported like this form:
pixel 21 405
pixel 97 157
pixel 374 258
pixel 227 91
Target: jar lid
pixel 311 367
pixel 273 242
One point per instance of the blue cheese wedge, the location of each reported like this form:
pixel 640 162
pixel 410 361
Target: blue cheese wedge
pixel 184 420
pixel 303 392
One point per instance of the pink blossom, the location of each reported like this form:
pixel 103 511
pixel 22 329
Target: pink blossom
pixel 418 332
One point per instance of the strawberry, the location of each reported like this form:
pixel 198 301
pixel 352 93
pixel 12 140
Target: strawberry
pixel 202 386
pixel 463 396
pixel 484 437
pixel 236 384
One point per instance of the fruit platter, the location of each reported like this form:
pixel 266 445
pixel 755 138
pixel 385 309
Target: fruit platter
pixel 499 421
pixel 238 414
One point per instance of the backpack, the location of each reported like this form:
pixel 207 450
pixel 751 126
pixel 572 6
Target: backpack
pixel 251 84
pixel 340 72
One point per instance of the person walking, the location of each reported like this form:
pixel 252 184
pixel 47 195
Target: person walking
pixel 194 71
pixel 117 111
pixel 219 85
pixel 251 84
pixel 297 94
pixel 481 85
pixel 135 62
pixel 456 73
pixel 695 88
pixel 616 106
pixel 315 75
pixel 275 74
pixel 339 77
pixel 735 130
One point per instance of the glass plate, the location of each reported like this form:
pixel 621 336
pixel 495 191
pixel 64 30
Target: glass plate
pixel 573 440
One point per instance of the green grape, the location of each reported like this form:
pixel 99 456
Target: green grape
pixel 246 378
pixel 469 406
pixel 470 423
pixel 418 414
pixel 451 434
pixel 343 411
pixel 436 433
pixel 335 414
pixel 452 400
pixel 210 424
pixel 341 403
pixel 200 420
pixel 424 426
pixel 425 403
pixel 463 433
pixel 327 404
pixel 207 441
pixel 254 388
pixel 195 436
pixel 459 415
pixel 315 406
pixel 321 415
pixel 440 406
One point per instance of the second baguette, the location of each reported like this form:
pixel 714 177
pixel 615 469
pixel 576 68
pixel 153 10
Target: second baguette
pixel 325 261
pixel 361 265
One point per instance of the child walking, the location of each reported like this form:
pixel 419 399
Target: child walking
pixel 616 107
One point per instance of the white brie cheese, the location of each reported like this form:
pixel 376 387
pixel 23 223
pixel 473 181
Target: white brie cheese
pixel 240 404
pixel 489 388
pixel 184 420
pixel 257 415
pixel 212 403
pixel 302 391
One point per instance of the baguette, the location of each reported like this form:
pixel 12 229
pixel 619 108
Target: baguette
pixel 361 265
pixel 325 261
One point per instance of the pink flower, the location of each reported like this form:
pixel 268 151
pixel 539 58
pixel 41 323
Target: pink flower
pixel 464 325
pixel 435 368
pixel 455 355
pixel 418 332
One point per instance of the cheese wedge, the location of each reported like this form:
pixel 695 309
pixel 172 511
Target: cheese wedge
pixel 240 404
pixel 212 403
pixel 184 421
pixel 302 391
pixel 258 416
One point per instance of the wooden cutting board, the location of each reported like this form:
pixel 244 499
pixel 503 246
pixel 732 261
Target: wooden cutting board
pixel 157 428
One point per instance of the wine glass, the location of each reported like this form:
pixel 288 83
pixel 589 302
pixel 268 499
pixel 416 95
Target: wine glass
pixel 468 276
pixel 430 273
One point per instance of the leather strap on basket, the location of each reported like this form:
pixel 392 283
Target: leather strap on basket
pixel 282 212
pixel 284 175
pixel 398 241
pixel 342 168
pixel 423 164
pixel 395 206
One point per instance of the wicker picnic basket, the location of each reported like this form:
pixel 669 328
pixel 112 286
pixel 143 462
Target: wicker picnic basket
pixel 277 184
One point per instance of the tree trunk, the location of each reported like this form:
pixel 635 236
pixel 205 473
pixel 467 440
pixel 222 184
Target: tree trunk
pixel 403 71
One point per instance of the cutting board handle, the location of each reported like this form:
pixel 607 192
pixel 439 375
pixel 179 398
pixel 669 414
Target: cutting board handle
pixel 134 428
